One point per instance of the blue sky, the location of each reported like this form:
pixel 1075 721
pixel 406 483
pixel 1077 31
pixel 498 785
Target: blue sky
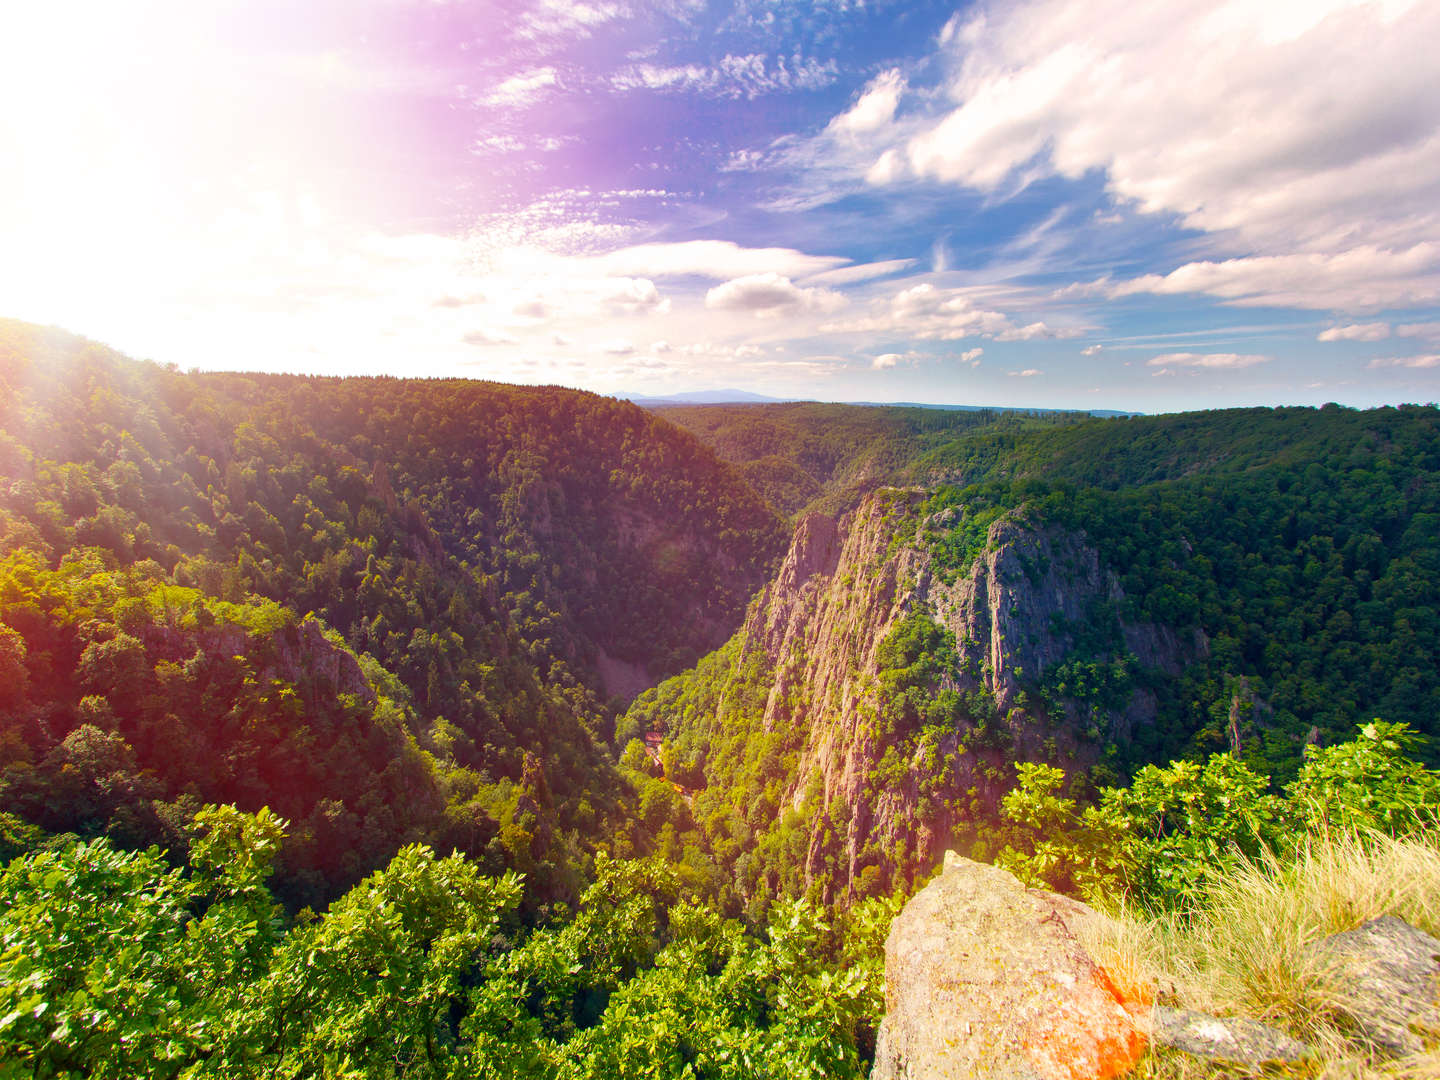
pixel 1054 203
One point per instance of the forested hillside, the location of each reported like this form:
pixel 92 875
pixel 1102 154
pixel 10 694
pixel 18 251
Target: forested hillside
pixel 810 455
pixel 315 753
pixel 389 609
pixel 1098 595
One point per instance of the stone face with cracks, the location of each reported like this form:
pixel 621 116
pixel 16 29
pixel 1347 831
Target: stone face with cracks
pixel 1227 1039
pixel 1388 975
pixel 984 979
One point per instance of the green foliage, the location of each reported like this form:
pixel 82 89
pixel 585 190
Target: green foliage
pixel 468 547
pixel 1299 543
pixel 1177 830
pixel 957 534
pixel 1370 782
pixel 106 970
pixel 808 456
pixel 116 965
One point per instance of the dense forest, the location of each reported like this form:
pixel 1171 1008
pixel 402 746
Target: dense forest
pixel 385 727
pixel 809 455
pixel 1279 570
pixel 390 610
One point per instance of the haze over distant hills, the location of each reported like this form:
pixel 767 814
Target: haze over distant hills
pixel 746 397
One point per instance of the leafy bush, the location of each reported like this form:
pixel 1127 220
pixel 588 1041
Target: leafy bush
pixel 1178 829
pixel 116 964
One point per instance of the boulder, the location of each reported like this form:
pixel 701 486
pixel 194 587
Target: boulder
pixel 1231 1040
pixel 984 979
pixel 1387 979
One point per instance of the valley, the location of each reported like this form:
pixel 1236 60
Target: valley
pixel 647 706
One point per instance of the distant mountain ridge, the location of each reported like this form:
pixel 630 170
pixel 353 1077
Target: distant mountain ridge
pixel 700 397
pixel 746 397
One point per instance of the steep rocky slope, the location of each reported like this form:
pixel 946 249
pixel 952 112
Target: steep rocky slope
pixel 900 693
pixel 1099 595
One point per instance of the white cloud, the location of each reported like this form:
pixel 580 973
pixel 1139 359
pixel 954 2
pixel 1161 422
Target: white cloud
pixel 617 348
pixel 717 259
pixel 1091 350
pixel 1028 373
pixel 770 293
pixel 1287 131
pixel 449 301
pixel 1428 361
pixel 523 89
pixel 875 109
pixel 887 168
pixel 1427 330
pixel 930 313
pixel 565 18
pixel 1357 279
pixel 850 275
pixel 885 361
pixel 1035 331
pixel 635 295
pixel 487 336
pixel 501 144
pixel 747 76
pixel 910 358
pixel 1206 360
pixel 1375 331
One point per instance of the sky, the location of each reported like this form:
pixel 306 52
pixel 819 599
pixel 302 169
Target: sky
pixel 1050 203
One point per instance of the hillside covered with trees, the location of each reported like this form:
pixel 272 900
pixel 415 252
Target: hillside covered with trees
pixel 384 727
pixel 812 455
pixel 387 609
pixel 1094 594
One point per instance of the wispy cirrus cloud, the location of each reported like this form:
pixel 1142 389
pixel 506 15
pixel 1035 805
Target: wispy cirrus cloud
pixel 566 19
pixel 850 275
pixel 521 89
pixel 1429 360
pixel 717 259
pixel 749 76
pixel 1375 331
pixel 1212 361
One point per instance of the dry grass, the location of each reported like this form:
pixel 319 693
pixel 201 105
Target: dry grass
pixel 1246 950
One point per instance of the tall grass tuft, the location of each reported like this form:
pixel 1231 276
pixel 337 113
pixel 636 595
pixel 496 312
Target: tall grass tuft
pixel 1245 947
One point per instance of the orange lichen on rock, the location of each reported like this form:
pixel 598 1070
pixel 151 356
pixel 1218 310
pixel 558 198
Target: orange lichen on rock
pixel 1088 1033
pixel 985 978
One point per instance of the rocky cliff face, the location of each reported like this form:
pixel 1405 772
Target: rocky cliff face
pixel 1035 599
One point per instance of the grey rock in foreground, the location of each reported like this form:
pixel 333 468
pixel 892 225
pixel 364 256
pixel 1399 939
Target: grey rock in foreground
pixel 1225 1039
pixel 984 979
pixel 1388 977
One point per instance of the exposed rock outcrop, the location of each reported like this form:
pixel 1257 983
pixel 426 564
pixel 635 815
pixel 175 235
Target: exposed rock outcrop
pixel 1015 612
pixel 984 979
pixel 1230 1040
pixel 1388 975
